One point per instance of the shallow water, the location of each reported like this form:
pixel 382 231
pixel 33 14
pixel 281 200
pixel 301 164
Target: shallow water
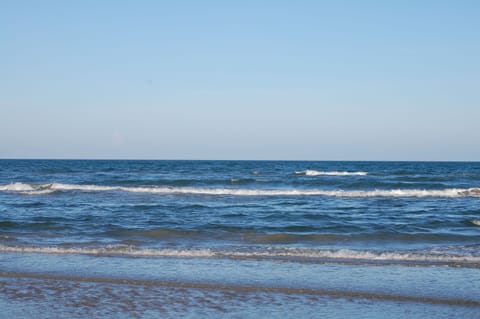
pixel 27 298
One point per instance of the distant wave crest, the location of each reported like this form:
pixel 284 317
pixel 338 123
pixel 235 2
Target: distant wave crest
pixel 310 172
pixel 31 189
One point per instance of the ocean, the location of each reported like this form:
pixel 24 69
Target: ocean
pixel 239 239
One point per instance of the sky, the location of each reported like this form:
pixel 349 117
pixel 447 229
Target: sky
pixel 286 80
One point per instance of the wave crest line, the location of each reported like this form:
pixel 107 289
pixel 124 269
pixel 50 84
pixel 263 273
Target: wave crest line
pixel 311 172
pixel 30 189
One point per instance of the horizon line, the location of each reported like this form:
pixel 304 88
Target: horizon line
pixel 230 160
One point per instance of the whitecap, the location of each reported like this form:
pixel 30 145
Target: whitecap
pixel 108 250
pixel 45 188
pixel 28 189
pixel 310 172
pixel 17 187
pixel 334 255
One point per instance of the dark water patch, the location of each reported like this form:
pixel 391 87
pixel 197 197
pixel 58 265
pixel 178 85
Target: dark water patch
pixel 24 226
pixel 288 238
pixel 224 228
pixel 9 224
pixel 35 204
pixel 286 203
pixel 294 229
pixel 195 206
pixel 140 207
pixel 243 181
pixel 52 219
pixel 233 215
pixel 288 235
pixel 316 216
pixel 156 233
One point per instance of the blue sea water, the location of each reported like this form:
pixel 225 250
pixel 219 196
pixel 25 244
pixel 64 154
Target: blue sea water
pixel 240 238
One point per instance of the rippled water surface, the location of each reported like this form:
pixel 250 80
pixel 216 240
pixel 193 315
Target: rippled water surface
pixel 240 238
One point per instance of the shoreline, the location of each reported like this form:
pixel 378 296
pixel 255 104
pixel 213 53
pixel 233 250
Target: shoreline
pixel 240 288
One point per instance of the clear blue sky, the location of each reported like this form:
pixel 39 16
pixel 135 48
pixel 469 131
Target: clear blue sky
pixel 315 80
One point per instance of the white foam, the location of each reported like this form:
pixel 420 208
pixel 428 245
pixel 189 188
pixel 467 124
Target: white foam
pixel 476 222
pixel 38 192
pixel 17 187
pixel 310 172
pixel 28 189
pixel 347 254
pixel 48 188
pixel 281 252
pixel 110 250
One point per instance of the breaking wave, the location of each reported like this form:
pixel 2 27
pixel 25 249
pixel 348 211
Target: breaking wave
pixel 293 254
pixel 31 189
pixel 310 172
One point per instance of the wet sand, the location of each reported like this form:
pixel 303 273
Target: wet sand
pixel 47 296
pixel 78 286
